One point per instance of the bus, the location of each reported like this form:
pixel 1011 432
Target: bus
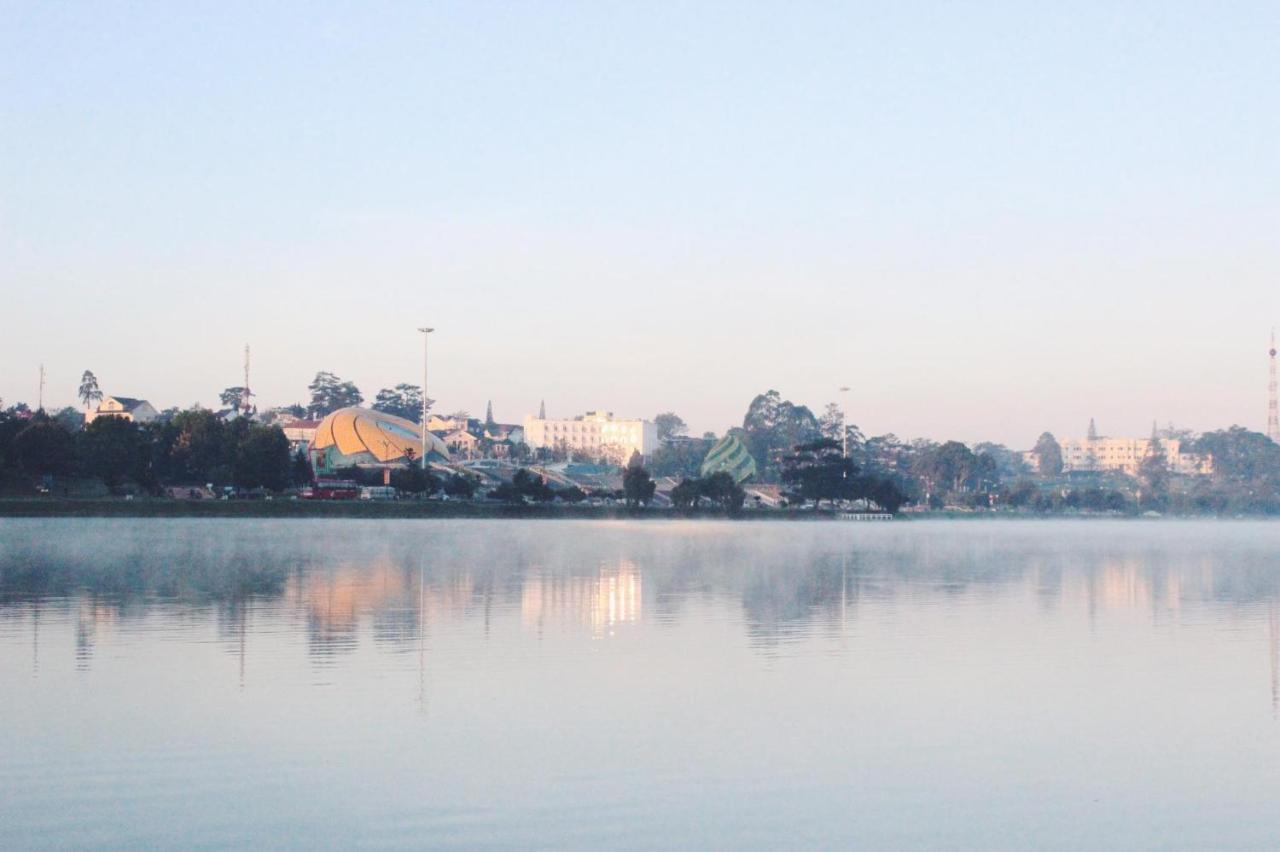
pixel 332 489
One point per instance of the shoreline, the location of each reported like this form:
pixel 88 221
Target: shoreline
pixel 410 509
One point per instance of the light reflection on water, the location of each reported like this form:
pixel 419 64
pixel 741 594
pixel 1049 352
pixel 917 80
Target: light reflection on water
pixel 336 683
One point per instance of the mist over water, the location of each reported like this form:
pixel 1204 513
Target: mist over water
pixel 556 683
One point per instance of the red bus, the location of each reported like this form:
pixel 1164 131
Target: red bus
pixel 332 489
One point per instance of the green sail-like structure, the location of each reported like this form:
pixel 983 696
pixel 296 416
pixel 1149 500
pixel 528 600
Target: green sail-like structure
pixel 730 456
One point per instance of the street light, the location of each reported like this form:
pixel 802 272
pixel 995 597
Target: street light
pixel 426 334
pixel 844 424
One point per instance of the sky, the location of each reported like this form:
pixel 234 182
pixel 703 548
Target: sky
pixel 986 219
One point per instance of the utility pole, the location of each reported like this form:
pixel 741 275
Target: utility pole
pixel 1273 414
pixel 40 404
pixel 844 422
pixel 426 335
pixel 244 405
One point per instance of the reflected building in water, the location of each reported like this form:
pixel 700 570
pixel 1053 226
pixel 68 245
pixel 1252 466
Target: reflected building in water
pixel 611 597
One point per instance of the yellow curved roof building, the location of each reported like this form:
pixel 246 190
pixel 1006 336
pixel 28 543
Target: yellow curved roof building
pixel 356 436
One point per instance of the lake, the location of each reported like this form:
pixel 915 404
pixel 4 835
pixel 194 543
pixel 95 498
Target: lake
pixel 339 683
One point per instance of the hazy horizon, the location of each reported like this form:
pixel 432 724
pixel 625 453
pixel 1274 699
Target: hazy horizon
pixel 988 221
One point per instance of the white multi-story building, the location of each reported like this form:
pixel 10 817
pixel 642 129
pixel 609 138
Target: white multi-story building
pixel 596 432
pixel 1126 455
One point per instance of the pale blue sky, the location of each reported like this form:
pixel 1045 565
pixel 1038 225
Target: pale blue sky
pixel 989 219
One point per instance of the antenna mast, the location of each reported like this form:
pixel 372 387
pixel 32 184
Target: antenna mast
pixel 1273 410
pixel 40 406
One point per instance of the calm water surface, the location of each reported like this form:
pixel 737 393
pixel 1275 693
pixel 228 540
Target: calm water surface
pixel 338 683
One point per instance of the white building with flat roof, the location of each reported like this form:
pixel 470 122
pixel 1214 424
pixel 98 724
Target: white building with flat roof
pixel 1098 453
pixel 596 432
pixel 1126 455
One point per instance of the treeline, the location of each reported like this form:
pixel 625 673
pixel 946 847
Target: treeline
pixel 821 457
pixel 193 447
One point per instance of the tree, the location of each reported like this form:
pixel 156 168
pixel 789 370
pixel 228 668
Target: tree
pixel 329 393
pixel 524 484
pixel 680 458
pixel 403 400
pixel 637 485
pixel 69 418
pixel 686 494
pixel 772 426
pixel 572 494
pixel 818 471
pixel 669 425
pixel 44 447
pixel 886 494
pixel 721 489
pixel 262 459
pixel 89 392
pixel 195 446
pixel 1246 471
pixel 1153 472
pixel 233 398
pixel 111 449
pixel 459 486
pixel 415 480
pixel 831 423
pixel 946 468
pixel 1048 454
pixel 1009 465
pixel 302 472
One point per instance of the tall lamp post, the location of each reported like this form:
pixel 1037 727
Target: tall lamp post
pixel 844 423
pixel 426 335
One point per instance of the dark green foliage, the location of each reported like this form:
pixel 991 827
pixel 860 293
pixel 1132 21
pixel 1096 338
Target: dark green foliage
pixel 89 393
pixel 1009 465
pixel 44 447
pixel 949 467
pixel 686 494
pixel 302 473
pixel 414 480
pixel 233 398
pixel 193 447
pixel 818 471
pixel 329 393
pixel 1246 472
pixel 721 489
pixel 637 485
pixel 771 427
pixel 262 459
pixel 460 487
pixel 1153 473
pixel 524 484
pixel 680 458
pixel 112 449
pixel 885 493
pixel 669 425
pixel 403 401
pixel 69 418
pixel 572 494
pixel 718 488
pixel 1048 454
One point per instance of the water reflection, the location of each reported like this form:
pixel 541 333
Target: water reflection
pixel 386 583
pixel 600 602
pixel 503 672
